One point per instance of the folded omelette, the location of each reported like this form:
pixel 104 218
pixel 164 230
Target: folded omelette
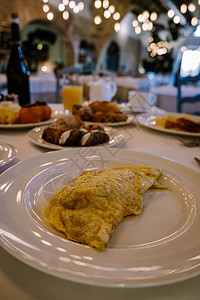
pixel 89 208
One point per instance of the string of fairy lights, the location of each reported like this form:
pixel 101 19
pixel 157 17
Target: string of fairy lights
pixel 144 21
pixel 64 7
pixel 108 10
pixel 105 9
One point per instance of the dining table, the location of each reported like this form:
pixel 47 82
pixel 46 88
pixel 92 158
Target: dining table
pixel 22 281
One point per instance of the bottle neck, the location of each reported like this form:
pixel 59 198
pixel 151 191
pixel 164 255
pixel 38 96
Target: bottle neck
pixel 15 30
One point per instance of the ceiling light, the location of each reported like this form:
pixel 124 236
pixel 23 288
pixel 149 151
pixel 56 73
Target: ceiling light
pixel 105 3
pixel 81 6
pixel 97 4
pixel 150 39
pixel 65 2
pixel 191 7
pixel 66 15
pixel 153 54
pixel 183 8
pixel 61 7
pixel 162 51
pixel 138 30
pixel 145 14
pixel 140 18
pixel 76 9
pixel 145 26
pixel 153 16
pixel 183 49
pixel 45 8
pixel 194 21
pixel 170 13
pixel 98 20
pixel 111 8
pixel 135 23
pixel 117 27
pixel 107 14
pixel 116 16
pixel 45 1
pixel 176 19
pixel 150 26
pixel 153 45
pixel 72 4
pixel 50 16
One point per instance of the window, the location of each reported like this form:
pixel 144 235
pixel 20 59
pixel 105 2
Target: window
pixel 190 63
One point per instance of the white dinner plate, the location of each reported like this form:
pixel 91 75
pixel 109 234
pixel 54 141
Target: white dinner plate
pixel 35 136
pixel 149 121
pixel 159 246
pixel 8 156
pixel 28 125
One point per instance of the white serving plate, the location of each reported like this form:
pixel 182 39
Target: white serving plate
pixel 149 121
pixel 35 136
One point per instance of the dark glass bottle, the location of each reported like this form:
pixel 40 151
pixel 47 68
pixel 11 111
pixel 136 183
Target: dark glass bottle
pixel 17 69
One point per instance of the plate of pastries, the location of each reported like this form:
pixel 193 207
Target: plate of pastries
pixel 13 115
pixel 102 112
pixel 71 131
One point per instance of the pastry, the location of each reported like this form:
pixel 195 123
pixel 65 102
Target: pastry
pixel 53 132
pixel 94 137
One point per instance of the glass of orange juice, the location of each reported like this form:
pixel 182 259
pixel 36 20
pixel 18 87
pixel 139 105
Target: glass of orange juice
pixel 71 95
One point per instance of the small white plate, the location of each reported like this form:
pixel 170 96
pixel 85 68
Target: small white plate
pixel 35 136
pixel 8 156
pixel 149 121
pixel 159 246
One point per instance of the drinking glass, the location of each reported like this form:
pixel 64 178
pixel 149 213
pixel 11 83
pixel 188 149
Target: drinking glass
pixel 71 95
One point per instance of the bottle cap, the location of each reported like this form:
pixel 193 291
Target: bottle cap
pixel 14 15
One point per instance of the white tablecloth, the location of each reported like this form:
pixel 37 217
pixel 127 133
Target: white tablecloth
pixel 43 83
pixel 19 281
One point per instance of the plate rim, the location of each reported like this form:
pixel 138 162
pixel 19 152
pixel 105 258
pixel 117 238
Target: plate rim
pixel 26 125
pixel 48 155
